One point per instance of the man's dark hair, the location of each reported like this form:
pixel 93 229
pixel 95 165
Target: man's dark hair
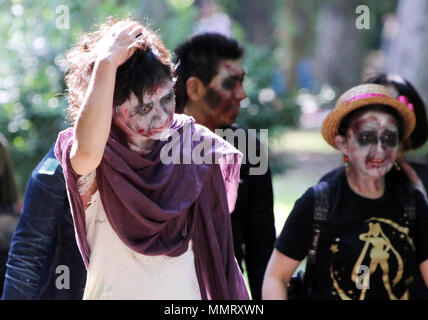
pixel 199 57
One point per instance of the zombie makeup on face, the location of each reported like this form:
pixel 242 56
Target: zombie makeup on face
pixel 373 143
pixel 387 138
pixel 225 92
pixel 229 83
pixel 220 92
pixel 149 117
pixel 230 74
pixel 144 108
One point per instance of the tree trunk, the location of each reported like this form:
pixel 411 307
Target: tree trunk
pixel 338 53
pixel 407 50
pixel 294 34
pixel 255 17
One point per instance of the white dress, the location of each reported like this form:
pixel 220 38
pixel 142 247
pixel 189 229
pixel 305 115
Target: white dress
pixel 117 272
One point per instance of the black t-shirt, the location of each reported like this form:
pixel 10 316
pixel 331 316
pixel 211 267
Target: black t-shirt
pixel 375 234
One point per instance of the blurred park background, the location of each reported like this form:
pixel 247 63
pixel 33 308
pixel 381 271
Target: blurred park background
pixel 300 55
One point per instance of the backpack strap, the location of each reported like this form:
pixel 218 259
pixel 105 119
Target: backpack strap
pixel 321 209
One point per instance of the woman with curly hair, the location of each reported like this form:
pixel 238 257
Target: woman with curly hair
pixel 146 229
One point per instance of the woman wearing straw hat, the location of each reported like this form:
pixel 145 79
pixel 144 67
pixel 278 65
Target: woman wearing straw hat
pixel 370 243
pixel 400 87
pixel 417 172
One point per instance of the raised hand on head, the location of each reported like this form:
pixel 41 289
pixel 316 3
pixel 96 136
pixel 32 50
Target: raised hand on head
pixel 120 42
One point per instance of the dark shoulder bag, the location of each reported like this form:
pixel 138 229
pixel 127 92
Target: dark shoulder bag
pixel 300 286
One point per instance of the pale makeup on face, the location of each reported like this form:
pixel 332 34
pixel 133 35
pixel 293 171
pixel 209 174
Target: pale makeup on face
pixel 225 92
pixel 144 122
pixel 372 144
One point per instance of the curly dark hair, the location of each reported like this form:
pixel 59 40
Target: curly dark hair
pixel 148 67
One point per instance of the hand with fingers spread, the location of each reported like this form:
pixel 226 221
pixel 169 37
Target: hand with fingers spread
pixel 119 43
pixel 93 123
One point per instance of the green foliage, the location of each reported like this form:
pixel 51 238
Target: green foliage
pixel 264 107
pixel 32 100
pixel 272 112
pixel 261 63
pixel 176 27
pixel 32 88
pixel 31 111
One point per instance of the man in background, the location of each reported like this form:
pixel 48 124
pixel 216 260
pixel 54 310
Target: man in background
pixel 209 88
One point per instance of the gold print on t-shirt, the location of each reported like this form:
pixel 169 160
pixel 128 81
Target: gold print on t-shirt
pixel 379 256
pixel 379 248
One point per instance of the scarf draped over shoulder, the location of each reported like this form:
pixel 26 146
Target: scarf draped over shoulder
pixel 157 204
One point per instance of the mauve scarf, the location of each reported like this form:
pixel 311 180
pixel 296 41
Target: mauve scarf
pixel 157 208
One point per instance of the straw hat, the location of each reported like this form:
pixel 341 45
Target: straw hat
pixel 363 95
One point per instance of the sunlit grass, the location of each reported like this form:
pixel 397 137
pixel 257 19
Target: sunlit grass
pixel 292 184
pixel 286 191
pixel 299 140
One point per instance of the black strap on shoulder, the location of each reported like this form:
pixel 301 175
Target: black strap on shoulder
pixel 321 209
pixel 322 203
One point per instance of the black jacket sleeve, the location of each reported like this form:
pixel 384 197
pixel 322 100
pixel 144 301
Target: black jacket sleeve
pixel 253 218
pixel 259 230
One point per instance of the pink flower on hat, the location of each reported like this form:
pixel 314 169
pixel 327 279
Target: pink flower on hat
pixel 405 100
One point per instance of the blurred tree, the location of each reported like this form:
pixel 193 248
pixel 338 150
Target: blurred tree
pixel 254 16
pixel 379 12
pixel 408 44
pixel 294 33
pixel 338 52
pixel 283 39
pixel 32 88
pixel 268 104
pixel 211 18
